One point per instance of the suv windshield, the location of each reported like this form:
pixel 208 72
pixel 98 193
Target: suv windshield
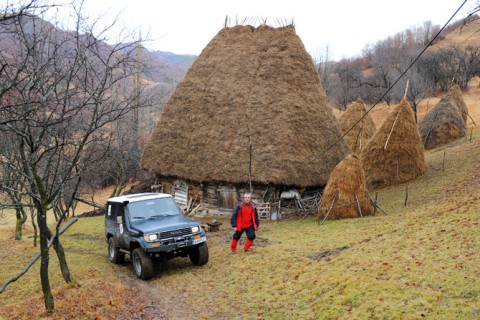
pixel 153 208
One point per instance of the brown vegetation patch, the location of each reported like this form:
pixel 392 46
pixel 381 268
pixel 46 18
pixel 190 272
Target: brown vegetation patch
pixel 92 213
pixel 326 254
pixel 95 300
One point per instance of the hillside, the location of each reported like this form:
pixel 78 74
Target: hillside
pixel 164 69
pixel 461 37
pixel 417 260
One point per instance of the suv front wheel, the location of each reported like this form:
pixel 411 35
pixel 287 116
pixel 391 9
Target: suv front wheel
pixel 199 254
pixel 142 264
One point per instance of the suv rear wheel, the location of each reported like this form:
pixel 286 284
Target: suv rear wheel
pixel 199 254
pixel 142 264
pixel 114 254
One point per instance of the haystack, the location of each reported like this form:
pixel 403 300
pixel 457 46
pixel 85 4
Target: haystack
pixel 395 153
pixel 357 137
pixel 345 195
pixel 445 123
pixel 252 99
pixel 456 94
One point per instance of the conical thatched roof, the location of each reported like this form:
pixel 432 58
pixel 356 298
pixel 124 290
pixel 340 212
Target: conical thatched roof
pixel 358 137
pixel 345 191
pixel 456 94
pixel 443 124
pixel 395 153
pixel 249 86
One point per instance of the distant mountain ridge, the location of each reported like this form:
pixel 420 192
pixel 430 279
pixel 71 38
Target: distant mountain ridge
pixel 166 67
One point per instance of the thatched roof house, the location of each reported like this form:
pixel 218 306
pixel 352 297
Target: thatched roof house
pixel 345 195
pixel 395 153
pixel 357 137
pixel 251 103
pixel 445 123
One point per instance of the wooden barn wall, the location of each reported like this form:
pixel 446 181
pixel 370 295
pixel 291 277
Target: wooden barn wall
pixel 221 195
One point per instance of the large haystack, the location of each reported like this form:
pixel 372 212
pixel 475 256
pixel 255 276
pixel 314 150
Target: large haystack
pixel 253 87
pixel 345 195
pixel 443 124
pixel 456 94
pixel 395 153
pixel 357 137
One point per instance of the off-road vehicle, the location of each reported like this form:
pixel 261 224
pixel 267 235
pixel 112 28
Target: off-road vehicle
pixel 148 226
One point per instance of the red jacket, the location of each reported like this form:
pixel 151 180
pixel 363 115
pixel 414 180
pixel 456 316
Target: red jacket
pixel 243 216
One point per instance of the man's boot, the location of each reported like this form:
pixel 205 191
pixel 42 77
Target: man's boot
pixel 248 245
pixel 234 245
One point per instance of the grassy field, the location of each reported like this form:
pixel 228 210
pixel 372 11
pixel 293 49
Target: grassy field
pixel 418 261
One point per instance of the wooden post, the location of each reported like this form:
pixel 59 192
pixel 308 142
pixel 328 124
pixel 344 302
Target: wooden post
pixel 443 161
pixel 375 206
pixel 359 208
pixel 330 208
pixel 406 197
pixel 471 132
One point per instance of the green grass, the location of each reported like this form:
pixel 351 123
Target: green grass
pixel 420 261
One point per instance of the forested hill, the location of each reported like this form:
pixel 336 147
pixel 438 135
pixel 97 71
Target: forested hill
pixel 165 69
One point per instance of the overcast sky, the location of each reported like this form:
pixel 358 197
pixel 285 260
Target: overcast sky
pixel 187 26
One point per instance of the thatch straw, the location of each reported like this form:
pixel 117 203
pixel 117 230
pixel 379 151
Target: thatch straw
pixel 358 137
pixel 443 124
pixel 456 94
pixel 253 86
pixel 395 153
pixel 346 190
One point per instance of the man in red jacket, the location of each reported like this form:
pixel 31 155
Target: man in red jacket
pixel 244 218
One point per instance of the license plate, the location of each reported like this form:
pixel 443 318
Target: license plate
pixel 199 240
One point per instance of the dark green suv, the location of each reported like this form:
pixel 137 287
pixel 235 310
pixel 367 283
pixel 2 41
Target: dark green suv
pixel 148 226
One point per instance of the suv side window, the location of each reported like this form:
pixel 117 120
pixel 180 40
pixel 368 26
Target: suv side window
pixel 110 212
pixel 114 210
pixel 120 210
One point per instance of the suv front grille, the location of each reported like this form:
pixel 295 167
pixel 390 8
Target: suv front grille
pixel 175 233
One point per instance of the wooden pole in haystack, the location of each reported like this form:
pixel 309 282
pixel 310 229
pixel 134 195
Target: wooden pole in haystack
pixel 250 170
pixel 406 89
pixel 393 126
pixel 359 208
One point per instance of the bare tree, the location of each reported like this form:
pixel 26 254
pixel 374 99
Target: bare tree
pixel 345 82
pixel 63 93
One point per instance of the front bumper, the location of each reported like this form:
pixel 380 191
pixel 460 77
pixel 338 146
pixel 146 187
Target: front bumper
pixel 174 244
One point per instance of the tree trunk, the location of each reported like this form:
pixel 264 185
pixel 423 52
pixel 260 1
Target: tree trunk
pixel 18 225
pixel 67 276
pixel 44 233
pixel 21 218
pixel 35 229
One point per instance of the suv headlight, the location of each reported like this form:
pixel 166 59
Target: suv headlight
pixel 150 237
pixel 196 229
